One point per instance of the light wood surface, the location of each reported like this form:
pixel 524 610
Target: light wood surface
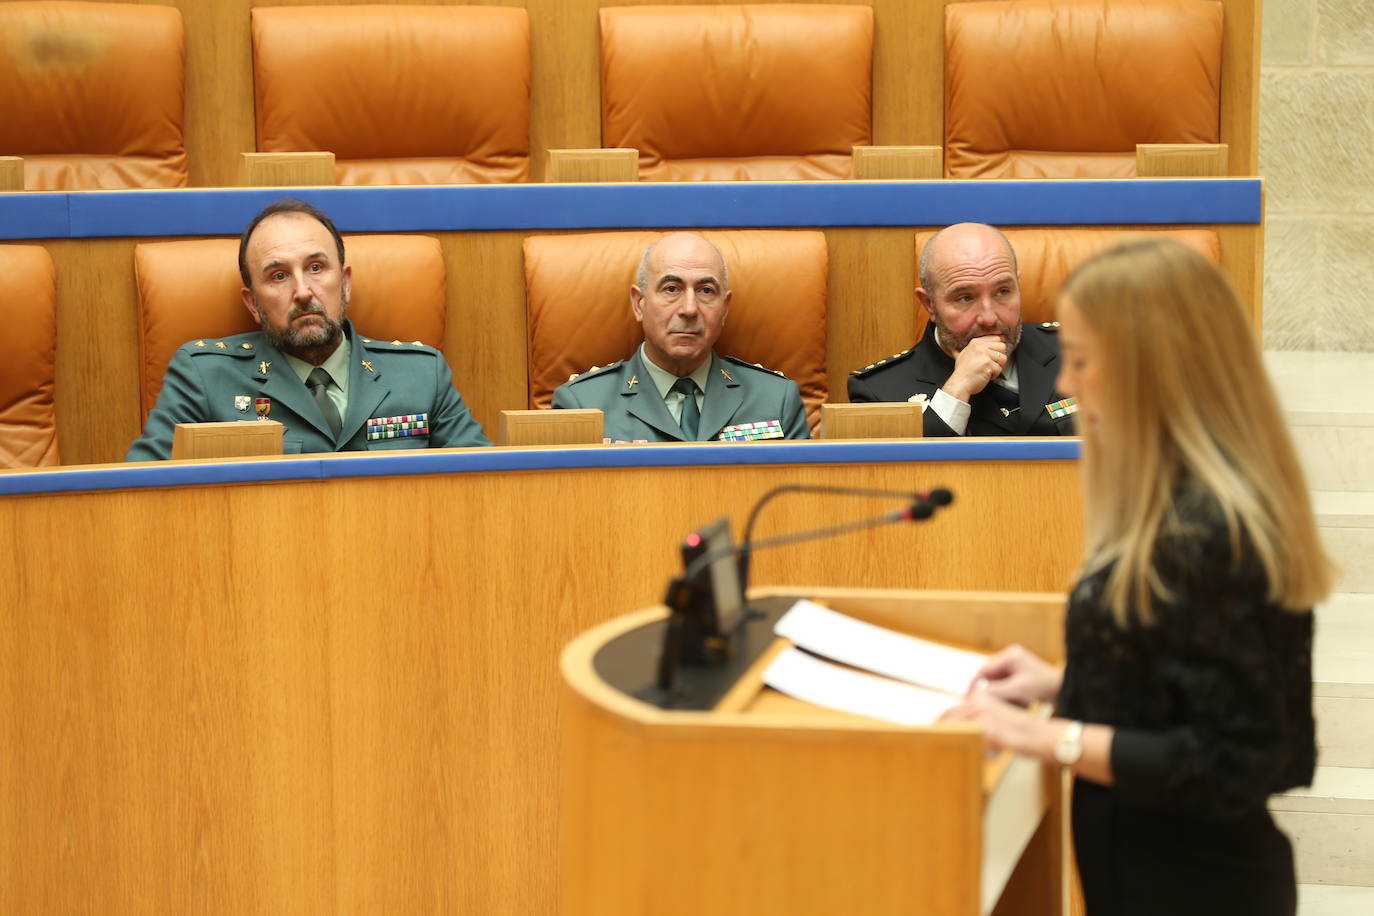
pixel 565 113
pixel 906 163
pixel 227 440
pixel 588 165
pixel 871 421
pixel 11 173
pixel 1181 160
pixel 764 810
pixel 552 427
pixel 210 712
pixel 285 170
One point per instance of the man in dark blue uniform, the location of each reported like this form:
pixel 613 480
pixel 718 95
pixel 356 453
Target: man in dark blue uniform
pixel 978 369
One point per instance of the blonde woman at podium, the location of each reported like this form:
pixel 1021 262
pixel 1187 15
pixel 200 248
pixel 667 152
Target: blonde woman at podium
pixel 1186 699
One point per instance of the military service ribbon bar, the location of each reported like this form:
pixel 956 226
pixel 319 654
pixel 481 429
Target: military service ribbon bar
pixel 413 424
pixel 747 432
pixel 1064 408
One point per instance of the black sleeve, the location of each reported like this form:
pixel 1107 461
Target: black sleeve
pixel 1237 671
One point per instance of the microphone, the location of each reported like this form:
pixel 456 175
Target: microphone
pixel 922 507
pixel 696 632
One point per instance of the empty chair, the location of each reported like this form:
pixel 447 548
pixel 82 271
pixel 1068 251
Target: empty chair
pixel 28 421
pixel 190 290
pixel 578 300
pixel 92 95
pixel 1067 88
pixel 399 94
pixel 715 93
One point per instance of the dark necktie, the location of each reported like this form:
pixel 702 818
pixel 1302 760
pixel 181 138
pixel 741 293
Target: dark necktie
pixel 691 415
pixel 318 382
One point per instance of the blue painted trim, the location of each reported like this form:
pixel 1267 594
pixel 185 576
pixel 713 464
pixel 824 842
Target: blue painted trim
pixel 97 214
pixel 34 216
pixel 118 477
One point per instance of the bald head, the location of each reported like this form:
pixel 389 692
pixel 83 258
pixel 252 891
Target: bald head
pixel 680 298
pixel 689 241
pixel 969 286
pixel 957 243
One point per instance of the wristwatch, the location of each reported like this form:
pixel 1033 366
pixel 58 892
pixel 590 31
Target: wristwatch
pixel 1068 747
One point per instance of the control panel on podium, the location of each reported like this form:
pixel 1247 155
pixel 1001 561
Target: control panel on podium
pixel 709 791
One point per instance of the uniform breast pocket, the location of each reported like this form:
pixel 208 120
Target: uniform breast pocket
pixel 291 445
pixel 385 445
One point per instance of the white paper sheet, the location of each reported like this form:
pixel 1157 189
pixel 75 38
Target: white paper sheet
pixel 863 645
pixel 824 684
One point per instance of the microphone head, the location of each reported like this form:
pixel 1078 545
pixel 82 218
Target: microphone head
pixel 941 496
pixel 920 510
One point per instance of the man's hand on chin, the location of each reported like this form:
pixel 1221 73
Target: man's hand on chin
pixel 975 366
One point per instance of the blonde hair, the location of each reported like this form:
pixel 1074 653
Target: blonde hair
pixel 1184 391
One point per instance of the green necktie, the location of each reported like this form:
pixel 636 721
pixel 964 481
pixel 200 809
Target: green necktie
pixel 318 382
pixel 691 415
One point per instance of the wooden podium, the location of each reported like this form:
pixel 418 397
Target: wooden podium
pixel 755 803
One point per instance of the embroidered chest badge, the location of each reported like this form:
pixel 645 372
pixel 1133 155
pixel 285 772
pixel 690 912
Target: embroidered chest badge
pixel 264 407
pixel 241 402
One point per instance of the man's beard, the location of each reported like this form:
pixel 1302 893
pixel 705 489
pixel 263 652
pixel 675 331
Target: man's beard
pixel 306 342
pixel 955 343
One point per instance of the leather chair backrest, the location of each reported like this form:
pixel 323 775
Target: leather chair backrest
pixel 93 95
pixel 1046 257
pixel 1067 88
pixel 399 94
pixel 578 298
pixel 716 93
pixel 190 290
pixel 28 421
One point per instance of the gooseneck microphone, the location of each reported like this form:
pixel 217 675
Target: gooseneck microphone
pixel 700 631
pixel 922 505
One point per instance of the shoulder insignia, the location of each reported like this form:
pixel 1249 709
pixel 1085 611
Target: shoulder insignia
pixel 594 370
pixel 1049 326
pixel 246 345
pixel 200 343
pixel 395 343
pixel 762 368
pixel 895 357
pixel 221 345
pixel 367 340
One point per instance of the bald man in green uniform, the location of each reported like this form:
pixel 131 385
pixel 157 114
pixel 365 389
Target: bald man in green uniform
pixel 333 389
pixel 674 388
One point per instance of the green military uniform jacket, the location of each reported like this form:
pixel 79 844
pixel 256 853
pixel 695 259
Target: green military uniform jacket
pixel 736 393
pixel 244 377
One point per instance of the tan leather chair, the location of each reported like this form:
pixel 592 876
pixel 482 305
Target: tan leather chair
pixel 1046 257
pixel 28 421
pixel 578 298
pixel 189 290
pixel 1067 88
pixel 716 93
pixel 92 95
pixel 399 94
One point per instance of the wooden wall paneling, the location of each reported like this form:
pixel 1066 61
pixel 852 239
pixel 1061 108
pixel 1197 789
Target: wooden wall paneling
pixel 485 337
pixel 97 349
pixel 872 299
pixel 1240 84
pixel 203 721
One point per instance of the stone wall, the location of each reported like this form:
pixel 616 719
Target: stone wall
pixel 1317 156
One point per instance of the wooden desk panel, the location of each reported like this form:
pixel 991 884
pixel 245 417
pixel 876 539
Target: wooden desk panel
pixel 211 709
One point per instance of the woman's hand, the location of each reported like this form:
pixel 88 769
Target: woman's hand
pixel 1006 727
pixel 1018 676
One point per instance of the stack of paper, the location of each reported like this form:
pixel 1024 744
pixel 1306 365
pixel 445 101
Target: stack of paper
pixel 930 677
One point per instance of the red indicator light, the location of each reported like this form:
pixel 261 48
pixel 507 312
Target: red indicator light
pixel 694 540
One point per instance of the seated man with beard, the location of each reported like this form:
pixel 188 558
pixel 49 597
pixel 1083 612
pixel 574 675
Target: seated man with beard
pixel 978 369
pixel 307 367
